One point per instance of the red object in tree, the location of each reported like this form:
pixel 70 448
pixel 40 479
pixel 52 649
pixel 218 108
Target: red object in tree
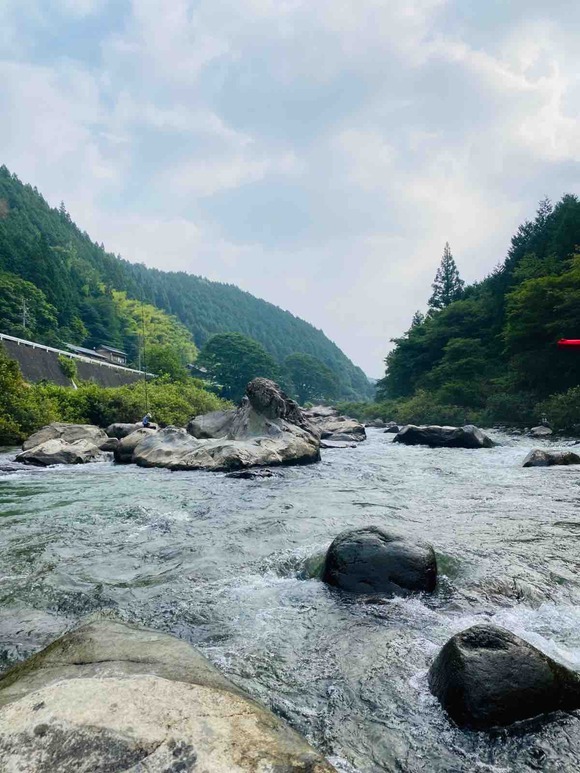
pixel 569 343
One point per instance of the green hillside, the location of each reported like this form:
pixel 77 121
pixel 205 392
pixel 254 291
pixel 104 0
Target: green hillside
pixel 491 355
pixel 70 285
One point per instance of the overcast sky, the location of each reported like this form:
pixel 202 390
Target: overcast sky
pixel 317 153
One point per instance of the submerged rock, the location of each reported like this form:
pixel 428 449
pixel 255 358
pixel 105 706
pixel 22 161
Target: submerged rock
pixel 539 457
pixel 372 560
pixel 486 676
pixel 444 437
pixel 110 696
pixel 253 474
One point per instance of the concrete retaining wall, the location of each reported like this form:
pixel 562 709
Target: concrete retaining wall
pixel 38 362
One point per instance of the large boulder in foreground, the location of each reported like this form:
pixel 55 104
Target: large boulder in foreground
pixel 540 457
pixel 268 428
pixel 372 560
pixel 443 437
pixel 61 443
pixel 486 676
pixel 334 427
pixel 113 697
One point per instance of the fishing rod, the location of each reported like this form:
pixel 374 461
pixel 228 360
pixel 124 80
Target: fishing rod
pixel 144 355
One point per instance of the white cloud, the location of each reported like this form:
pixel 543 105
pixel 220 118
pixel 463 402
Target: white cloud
pixel 392 126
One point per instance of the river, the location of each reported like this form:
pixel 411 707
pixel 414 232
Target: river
pixel 224 563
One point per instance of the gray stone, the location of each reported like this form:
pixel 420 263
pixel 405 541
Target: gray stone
pixel 485 676
pixel 375 424
pixel 540 457
pixel 58 451
pixel 444 437
pixel 127 445
pixel 109 444
pixel 120 430
pixel 211 425
pixel 541 431
pixel 372 560
pixel 68 433
pixel 392 428
pixel 113 697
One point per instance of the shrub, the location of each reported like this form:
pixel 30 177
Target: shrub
pixel 562 410
pixel 68 366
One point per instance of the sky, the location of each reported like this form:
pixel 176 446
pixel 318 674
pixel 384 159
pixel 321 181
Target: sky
pixel 317 153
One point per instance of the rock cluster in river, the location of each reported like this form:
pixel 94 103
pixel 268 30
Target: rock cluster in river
pixel 110 696
pixel 373 560
pixel 486 676
pixel 333 427
pixel 268 428
pixel 541 457
pixel 444 437
pixel 60 443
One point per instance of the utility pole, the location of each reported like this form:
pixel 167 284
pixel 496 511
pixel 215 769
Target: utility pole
pixel 24 313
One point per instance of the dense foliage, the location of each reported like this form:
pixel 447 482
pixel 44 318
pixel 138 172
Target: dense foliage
pixel 232 360
pixel 311 379
pixel 78 285
pixel 491 355
pixel 25 408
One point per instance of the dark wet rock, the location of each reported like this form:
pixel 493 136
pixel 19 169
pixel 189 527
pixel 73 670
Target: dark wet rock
pixel 540 457
pixel 541 431
pixel 68 433
pixel 336 428
pixel 124 451
pixel 486 676
pixel 268 428
pixel 392 428
pixel 58 451
pixel 444 437
pixel 371 560
pixel 211 425
pixel 375 424
pixel 120 430
pixel 108 445
pixel 253 474
pixel 110 696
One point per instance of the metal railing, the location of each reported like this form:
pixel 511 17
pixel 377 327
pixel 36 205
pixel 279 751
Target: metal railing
pixel 34 345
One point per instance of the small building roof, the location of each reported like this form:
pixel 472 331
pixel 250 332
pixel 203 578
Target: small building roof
pixel 110 349
pixel 87 352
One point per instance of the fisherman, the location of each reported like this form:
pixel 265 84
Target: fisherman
pixel 146 420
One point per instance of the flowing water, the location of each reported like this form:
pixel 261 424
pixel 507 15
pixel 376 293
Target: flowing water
pixel 226 565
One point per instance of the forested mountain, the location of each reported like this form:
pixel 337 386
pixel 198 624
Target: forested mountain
pixel 493 351
pixel 71 285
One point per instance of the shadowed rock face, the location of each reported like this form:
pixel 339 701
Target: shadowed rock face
pixel 109 695
pixel 444 437
pixel 485 676
pixel 120 430
pixel 375 561
pixel 540 457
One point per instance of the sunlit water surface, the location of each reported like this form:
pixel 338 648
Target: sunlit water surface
pixel 222 564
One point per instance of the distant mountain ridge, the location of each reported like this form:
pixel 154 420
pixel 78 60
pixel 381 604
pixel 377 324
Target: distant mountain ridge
pixel 43 246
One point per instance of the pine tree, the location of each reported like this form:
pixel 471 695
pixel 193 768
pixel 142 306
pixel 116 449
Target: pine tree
pixel 418 319
pixel 448 285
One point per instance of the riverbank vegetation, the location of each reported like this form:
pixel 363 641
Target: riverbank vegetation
pixel 24 408
pixel 487 352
